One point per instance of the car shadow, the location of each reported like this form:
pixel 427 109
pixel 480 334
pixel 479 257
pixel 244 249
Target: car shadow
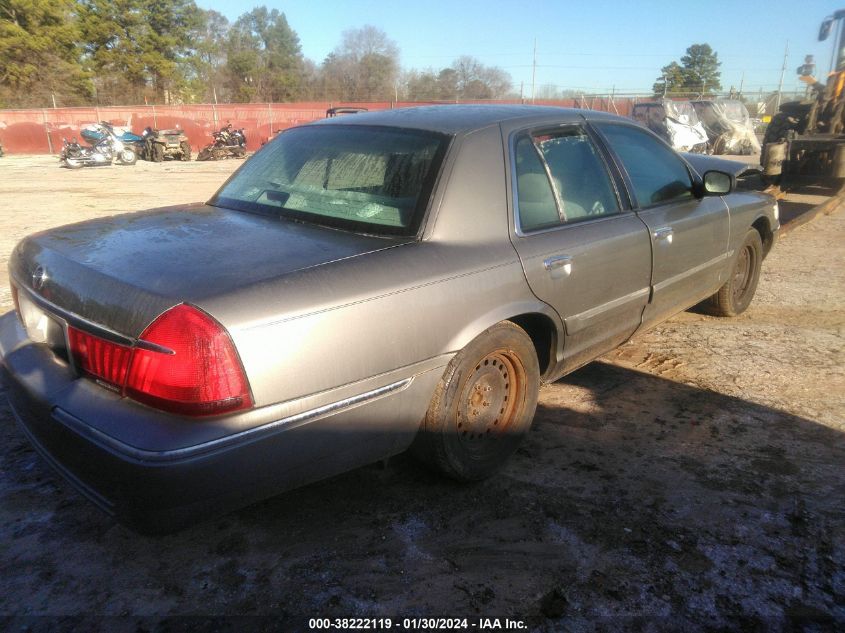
pixel 634 500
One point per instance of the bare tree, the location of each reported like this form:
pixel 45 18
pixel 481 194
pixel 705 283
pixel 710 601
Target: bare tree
pixel 363 67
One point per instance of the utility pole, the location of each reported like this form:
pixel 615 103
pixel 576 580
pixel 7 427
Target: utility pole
pixel 782 71
pixel 741 82
pixel 534 70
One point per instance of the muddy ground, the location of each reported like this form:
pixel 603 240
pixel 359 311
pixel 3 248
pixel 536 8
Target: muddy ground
pixel 694 479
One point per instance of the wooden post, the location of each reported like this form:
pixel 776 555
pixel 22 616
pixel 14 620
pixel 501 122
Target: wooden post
pixel 46 130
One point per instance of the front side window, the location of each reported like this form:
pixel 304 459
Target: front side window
pixel 373 180
pixel 657 174
pixel 560 179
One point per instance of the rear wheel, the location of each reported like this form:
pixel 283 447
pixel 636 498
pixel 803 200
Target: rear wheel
pixel 158 152
pixel 735 296
pixel 483 405
pixel 205 154
pixel 186 150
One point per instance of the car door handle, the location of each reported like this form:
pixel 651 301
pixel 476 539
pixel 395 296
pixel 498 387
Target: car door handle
pixel 558 262
pixel 663 233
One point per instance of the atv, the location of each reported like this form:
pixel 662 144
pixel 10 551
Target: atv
pixel 161 144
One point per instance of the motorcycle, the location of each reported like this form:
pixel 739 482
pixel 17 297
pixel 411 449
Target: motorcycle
pixel 228 143
pixel 104 149
pixel 74 155
pixel 124 135
pixel 130 144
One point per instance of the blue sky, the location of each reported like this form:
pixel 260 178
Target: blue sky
pixel 593 46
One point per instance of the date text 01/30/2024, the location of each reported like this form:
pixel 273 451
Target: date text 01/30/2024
pixel 414 624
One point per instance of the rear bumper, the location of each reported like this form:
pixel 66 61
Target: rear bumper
pixel 165 478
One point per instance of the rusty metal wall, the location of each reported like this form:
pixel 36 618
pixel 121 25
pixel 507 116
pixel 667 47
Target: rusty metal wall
pixel 41 131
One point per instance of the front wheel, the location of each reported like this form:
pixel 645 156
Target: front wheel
pixel 127 157
pixel 483 405
pixel 735 296
pixel 185 147
pixel 205 154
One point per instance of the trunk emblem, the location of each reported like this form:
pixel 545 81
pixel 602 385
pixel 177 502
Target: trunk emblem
pixel 39 278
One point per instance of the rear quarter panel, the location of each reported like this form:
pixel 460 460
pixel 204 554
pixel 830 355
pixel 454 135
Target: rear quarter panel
pixel 411 307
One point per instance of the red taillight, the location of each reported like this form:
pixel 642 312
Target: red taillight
pixel 101 358
pixel 198 371
pixel 202 376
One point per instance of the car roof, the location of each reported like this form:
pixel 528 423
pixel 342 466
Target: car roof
pixel 463 118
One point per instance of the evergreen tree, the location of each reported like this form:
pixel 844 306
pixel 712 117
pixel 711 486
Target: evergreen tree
pixel 697 73
pixel 671 80
pixel 39 54
pixel 205 68
pixel 701 69
pixel 264 59
pixel 135 47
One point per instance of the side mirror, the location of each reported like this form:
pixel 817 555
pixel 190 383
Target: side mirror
pixel 717 183
pixel 824 29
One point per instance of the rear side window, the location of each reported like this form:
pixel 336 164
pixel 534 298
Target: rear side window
pixel 656 172
pixel 537 206
pixel 561 179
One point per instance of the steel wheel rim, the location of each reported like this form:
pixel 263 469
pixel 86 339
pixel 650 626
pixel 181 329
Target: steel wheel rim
pixel 742 272
pixel 490 401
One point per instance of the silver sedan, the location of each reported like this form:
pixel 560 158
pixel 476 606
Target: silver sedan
pixel 362 286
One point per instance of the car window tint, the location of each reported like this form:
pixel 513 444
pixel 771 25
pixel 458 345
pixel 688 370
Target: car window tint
pixel 536 201
pixel 583 184
pixel 656 172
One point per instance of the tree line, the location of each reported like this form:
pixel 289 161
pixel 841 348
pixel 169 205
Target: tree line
pixel 123 52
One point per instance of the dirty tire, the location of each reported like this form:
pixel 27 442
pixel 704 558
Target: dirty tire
pixel 205 154
pixel 779 128
pixel 158 153
pixel 735 296
pixel 127 157
pixel 483 405
pixel 186 151
pixel 72 163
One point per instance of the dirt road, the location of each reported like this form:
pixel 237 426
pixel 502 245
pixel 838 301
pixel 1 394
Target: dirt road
pixel 694 479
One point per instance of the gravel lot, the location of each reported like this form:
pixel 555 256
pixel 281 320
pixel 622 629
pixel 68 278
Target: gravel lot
pixel 694 479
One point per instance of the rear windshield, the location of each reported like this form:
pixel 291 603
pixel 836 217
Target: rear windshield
pixel 375 180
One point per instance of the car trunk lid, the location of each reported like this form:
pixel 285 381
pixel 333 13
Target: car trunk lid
pixel 122 272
